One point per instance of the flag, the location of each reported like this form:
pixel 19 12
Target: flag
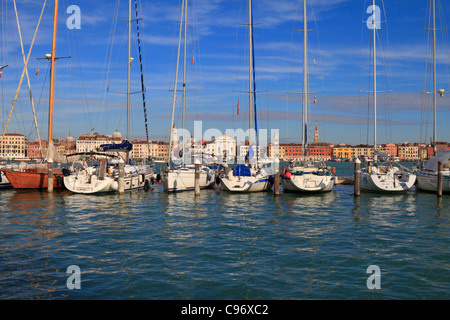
pixel 1 73
pixel 314 102
pixel 37 71
pixel 250 153
pixel 238 108
pixel 192 61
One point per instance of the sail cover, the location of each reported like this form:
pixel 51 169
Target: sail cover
pixel 125 145
pixel 432 164
pixel 242 171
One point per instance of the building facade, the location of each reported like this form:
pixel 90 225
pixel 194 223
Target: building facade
pixel 13 146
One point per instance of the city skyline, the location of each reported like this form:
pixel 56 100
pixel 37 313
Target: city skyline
pixel 339 69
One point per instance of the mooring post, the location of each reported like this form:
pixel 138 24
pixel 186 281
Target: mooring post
pixel 197 179
pixel 121 177
pixel 50 175
pixel 439 185
pixel 276 182
pixel 357 177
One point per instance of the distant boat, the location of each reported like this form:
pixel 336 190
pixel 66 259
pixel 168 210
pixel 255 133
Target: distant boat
pixel 42 176
pixel 181 176
pixel 384 176
pixel 106 178
pixel 306 176
pixel 427 177
pixel 252 176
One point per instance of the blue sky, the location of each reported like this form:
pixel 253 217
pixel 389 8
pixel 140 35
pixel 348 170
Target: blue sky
pixel 339 44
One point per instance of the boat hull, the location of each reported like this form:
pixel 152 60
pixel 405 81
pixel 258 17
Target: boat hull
pixel 34 179
pixel 306 183
pixel 375 182
pixel 4 182
pixel 183 179
pixel 428 182
pixel 246 184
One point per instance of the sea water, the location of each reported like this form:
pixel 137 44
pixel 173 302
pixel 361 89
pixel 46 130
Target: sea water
pixel 154 245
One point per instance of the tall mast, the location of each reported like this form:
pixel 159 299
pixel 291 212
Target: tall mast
pixel 374 27
pixel 184 73
pixel 128 70
pixel 305 78
pixel 52 74
pixel 433 3
pixel 175 86
pixel 250 71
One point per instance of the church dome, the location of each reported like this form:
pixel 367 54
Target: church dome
pixel 116 134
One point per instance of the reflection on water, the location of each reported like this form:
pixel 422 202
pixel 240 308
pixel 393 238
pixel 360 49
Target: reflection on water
pixel 154 245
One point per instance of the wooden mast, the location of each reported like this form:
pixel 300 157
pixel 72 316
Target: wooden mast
pixel 51 100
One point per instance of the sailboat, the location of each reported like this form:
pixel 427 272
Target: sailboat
pixel 41 176
pixel 249 177
pixel 306 176
pixel 386 175
pixel 106 176
pixel 181 176
pixel 427 177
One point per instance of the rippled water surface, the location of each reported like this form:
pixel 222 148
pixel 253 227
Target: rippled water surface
pixel 153 245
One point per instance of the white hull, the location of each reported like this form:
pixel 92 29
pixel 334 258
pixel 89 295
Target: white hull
pixel 183 179
pixel 387 182
pixel 4 182
pixel 246 184
pixel 87 181
pixel 308 183
pixel 307 178
pixel 428 182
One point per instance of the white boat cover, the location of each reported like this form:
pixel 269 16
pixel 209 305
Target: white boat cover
pixel 432 164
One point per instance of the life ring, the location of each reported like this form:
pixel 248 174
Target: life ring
pixel 283 171
pixel 334 171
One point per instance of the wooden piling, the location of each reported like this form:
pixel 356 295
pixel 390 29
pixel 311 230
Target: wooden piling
pixel 197 179
pixel 121 177
pixel 276 182
pixel 50 176
pixel 357 177
pixel 439 181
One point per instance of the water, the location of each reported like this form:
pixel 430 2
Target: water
pixel 153 245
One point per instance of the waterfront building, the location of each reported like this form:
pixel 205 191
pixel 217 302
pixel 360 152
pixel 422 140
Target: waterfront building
pixel 93 141
pixel 13 146
pixel 223 147
pixel 408 151
pixel 320 151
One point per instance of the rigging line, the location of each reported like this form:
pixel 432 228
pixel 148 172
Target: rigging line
pixel 28 78
pixel 42 91
pixel 109 50
pixel 24 69
pixel 142 77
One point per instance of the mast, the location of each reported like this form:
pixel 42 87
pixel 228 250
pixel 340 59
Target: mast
pixel 374 80
pixel 305 78
pixel 175 86
pixel 184 76
pixel 250 72
pixel 433 3
pixel 128 72
pixel 51 100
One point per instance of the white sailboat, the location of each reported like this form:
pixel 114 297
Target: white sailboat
pixel 252 176
pixel 306 176
pixel 106 177
pixel 181 176
pixel 427 177
pixel 387 176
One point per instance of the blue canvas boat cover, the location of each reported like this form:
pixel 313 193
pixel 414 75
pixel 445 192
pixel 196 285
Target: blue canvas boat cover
pixel 125 145
pixel 242 171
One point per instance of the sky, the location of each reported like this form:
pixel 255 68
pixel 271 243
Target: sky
pixel 90 85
